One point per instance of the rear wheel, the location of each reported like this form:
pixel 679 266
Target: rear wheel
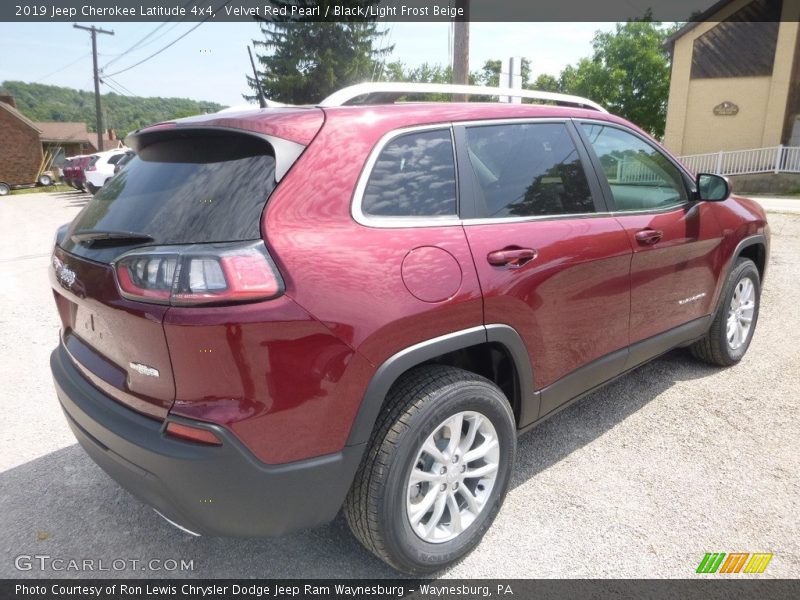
pixel 435 471
pixel 45 179
pixel 735 320
pixel 92 189
pixel 5 189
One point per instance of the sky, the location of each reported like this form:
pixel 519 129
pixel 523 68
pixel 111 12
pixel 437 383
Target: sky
pixel 210 62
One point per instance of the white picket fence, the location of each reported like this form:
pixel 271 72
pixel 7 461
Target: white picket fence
pixel 776 159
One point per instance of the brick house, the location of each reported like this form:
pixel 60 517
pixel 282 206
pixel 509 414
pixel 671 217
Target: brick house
pixel 20 146
pixel 24 144
pixel 66 139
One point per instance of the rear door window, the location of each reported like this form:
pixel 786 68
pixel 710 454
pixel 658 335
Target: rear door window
pixel 526 170
pixel 192 189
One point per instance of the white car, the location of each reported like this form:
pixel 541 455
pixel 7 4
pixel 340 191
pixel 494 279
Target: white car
pixel 101 168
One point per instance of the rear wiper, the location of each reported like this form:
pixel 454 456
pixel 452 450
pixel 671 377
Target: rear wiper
pixel 98 237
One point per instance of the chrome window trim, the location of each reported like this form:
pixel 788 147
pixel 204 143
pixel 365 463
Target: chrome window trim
pixel 485 221
pixel 511 121
pixel 390 222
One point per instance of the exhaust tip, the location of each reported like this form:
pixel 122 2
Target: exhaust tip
pixel 176 525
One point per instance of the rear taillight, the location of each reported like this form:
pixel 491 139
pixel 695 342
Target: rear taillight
pixel 199 274
pixel 192 434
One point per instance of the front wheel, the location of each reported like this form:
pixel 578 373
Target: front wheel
pixel 435 471
pixel 735 320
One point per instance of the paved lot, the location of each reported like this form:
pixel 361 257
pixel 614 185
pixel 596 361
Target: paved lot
pixel 781 205
pixel 637 480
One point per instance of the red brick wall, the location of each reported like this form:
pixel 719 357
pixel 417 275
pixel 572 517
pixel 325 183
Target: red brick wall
pixel 20 150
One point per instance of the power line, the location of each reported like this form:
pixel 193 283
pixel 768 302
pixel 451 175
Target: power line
pixel 172 43
pixel 119 85
pixel 113 88
pixel 136 45
pixel 80 58
pixel 140 42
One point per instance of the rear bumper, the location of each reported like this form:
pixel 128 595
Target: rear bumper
pixel 209 490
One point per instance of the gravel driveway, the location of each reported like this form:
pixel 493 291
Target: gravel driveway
pixel 637 480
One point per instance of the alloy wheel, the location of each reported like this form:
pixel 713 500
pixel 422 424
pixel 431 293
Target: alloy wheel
pixel 740 313
pixel 453 476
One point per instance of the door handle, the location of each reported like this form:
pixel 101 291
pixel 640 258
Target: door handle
pixel 648 237
pixel 513 257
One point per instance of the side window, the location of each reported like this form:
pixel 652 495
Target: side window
pixel 527 169
pixel 640 177
pixel 414 176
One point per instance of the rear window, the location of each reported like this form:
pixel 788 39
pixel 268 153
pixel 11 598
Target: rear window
pixel 193 189
pixel 414 176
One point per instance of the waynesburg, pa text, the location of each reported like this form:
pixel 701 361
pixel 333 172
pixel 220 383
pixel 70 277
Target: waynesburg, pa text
pixel 260 590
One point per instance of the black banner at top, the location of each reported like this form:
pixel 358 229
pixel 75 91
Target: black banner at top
pixel 365 10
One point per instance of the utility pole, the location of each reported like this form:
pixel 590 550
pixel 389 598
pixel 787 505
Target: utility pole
pixel 99 115
pixel 461 49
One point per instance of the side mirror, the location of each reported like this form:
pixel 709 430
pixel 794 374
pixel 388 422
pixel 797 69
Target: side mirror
pixel 712 187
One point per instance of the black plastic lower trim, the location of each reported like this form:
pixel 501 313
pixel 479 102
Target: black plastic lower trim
pixel 606 369
pixel 210 490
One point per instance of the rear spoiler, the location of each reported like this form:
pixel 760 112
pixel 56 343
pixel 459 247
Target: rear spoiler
pixel 286 152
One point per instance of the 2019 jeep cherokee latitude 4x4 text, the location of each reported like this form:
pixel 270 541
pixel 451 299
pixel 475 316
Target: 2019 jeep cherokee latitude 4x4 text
pixel 274 314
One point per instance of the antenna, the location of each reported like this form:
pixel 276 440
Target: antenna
pixel 262 101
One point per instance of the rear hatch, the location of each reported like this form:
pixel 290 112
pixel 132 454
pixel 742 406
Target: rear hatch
pixel 188 187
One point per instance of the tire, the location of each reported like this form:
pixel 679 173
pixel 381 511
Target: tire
pixel 92 189
pixel 5 189
pixel 420 406
pixel 45 179
pixel 729 337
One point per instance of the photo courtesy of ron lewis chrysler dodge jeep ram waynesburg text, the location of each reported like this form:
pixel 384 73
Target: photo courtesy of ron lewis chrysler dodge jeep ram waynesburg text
pixel 274 314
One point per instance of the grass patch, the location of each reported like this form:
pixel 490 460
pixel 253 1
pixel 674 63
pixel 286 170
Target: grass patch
pixel 50 189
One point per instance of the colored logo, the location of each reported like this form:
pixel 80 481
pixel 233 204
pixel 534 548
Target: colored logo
pixel 736 562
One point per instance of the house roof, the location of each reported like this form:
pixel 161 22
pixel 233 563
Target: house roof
pixel 63 132
pixel 669 43
pixel 19 115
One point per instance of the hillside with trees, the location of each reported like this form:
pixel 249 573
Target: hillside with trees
pixel 122 113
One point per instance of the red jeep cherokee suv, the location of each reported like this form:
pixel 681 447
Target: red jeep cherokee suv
pixel 272 315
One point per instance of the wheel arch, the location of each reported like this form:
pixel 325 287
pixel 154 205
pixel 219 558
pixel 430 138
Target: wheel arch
pixel 754 248
pixel 499 342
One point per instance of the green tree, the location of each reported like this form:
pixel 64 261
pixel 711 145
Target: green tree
pixel 490 73
pixel 302 61
pixel 546 83
pixel 424 73
pixel 41 102
pixel 628 73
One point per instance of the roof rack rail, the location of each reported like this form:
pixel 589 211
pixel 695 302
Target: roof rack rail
pixel 398 88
